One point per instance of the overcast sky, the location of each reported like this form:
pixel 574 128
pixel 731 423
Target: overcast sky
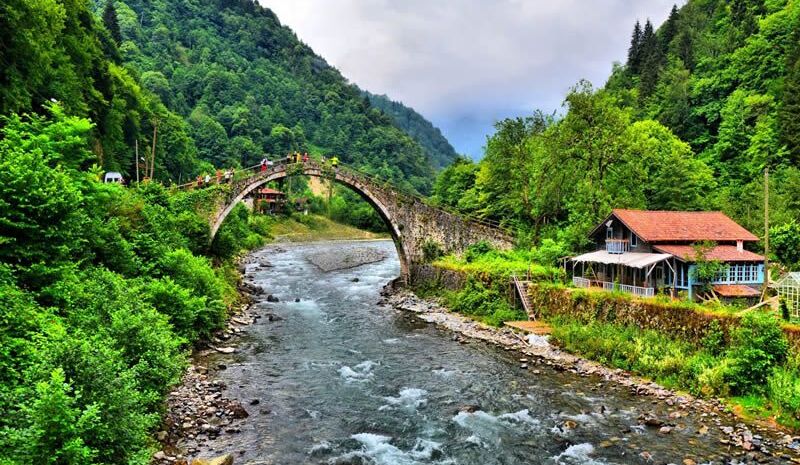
pixel 465 64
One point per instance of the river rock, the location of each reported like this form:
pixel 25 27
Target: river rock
pixel 238 412
pixel 272 298
pixel 469 408
pixel 226 459
pixel 225 350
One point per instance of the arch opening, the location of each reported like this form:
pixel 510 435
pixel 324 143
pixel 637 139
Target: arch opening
pixel 395 230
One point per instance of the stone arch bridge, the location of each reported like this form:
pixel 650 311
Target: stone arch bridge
pixel 411 221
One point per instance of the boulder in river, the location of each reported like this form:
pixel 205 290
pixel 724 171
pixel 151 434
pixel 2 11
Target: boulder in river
pixel 272 298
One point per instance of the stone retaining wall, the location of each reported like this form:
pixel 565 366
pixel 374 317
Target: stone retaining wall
pixel 679 320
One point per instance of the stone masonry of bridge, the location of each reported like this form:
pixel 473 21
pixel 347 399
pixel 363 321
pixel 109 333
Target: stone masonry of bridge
pixel 411 221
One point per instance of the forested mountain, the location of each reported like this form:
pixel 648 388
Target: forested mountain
pixel 247 86
pixel 221 82
pixel 703 105
pixel 436 146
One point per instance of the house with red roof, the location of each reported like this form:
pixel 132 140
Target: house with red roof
pixel 647 252
pixel 269 200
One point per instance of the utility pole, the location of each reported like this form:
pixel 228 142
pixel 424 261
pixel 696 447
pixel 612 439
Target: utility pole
pixel 766 231
pixel 136 153
pixel 153 152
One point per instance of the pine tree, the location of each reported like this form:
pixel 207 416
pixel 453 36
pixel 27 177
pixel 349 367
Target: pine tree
pixel 634 52
pixel 669 30
pixel 788 121
pixel 111 22
pixel 651 60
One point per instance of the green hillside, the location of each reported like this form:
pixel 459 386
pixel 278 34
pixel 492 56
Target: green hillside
pixel 220 82
pixel 436 146
pixel 247 86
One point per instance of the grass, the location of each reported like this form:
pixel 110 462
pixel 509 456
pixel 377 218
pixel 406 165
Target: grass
pixel 680 365
pixel 497 264
pixel 309 228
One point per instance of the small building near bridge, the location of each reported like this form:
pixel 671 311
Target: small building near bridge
pixel 269 200
pixel 650 252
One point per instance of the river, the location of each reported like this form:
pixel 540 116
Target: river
pixel 341 380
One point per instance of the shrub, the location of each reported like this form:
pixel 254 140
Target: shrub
pixel 758 346
pixel 58 426
pixel 485 303
pixel 783 388
pixel 476 250
pixel 192 316
pixel 431 250
pixel 714 339
pixel 550 252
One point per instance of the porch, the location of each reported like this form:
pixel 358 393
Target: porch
pixel 638 291
pixel 639 274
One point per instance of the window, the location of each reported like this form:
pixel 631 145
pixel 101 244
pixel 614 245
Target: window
pixel 634 240
pixel 609 232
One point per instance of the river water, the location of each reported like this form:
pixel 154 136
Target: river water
pixel 342 380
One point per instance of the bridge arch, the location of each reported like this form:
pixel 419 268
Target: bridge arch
pixel 364 189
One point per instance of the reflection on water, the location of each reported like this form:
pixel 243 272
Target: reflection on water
pixel 342 380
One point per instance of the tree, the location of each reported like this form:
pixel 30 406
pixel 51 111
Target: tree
pixel 111 22
pixel 672 104
pixel 785 243
pixel 669 30
pixel 788 121
pixel 635 50
pixel 651 61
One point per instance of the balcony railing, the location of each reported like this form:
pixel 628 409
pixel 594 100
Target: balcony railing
pixel 635 290
pixel 617 245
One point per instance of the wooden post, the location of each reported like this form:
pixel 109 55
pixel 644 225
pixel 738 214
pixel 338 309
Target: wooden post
pixel 136 153
pixel 766 232
pixel 153 152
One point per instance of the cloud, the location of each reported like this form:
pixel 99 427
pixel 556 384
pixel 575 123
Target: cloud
pixel 465 64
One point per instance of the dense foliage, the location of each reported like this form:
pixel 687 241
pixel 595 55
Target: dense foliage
pixel 753 365
pixel 216 84
pixel 248 87
pixel 703 105
pixel 102 291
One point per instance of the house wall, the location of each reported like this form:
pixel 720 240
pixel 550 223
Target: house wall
pixel 620 231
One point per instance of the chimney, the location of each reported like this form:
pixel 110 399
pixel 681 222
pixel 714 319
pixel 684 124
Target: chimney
pixel 740 246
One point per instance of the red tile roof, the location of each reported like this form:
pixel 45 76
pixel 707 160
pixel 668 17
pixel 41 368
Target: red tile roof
pixel 267 190
pixel 674 226
pixel 735 290
pixel 723 253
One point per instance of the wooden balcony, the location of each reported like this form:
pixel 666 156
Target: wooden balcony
pixel 617 246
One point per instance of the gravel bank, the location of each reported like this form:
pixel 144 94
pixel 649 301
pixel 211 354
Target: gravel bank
pixel 345 257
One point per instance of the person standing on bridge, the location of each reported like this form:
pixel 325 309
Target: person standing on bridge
pixel 305 157
pixel 263 165
pixel 334 161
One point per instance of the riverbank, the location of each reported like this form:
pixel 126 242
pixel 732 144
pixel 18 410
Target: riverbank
pixel 751 442
pixel 322 374
pixel 313 228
